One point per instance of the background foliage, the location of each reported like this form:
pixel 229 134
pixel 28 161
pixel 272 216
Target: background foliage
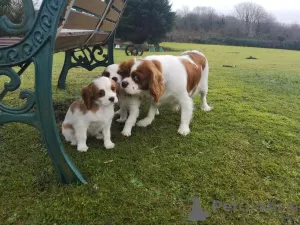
pixel 249 25
pixel 146 20
pixel 13 9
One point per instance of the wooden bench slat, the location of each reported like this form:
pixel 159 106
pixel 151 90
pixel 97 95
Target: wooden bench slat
pixel 77 20
pixel 95 6
pixel 6 41
pixel 107 26
pixel 119 4
pixel 99 38
pixel 81 21
pixel 77 40
pixel 65 15
pixel 113 15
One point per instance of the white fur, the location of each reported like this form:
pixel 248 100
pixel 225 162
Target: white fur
pixel 129 104
pixel 175 80
pixel 123 100
pixel 113 71
pixel 97 123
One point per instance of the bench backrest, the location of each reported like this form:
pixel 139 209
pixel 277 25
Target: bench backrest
pixel 88 22
pixel 84 23
pixel 95 14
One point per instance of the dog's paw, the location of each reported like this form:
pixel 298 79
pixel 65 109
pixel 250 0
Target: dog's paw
pixel 126 133
pixel 109 145
pixel 176 108
pixel 206 108
pixel 99 136
pixel 73 143
pixel 121 120
pixel 184 130
pixel 82 148
pixel 144 122
pixel 157 112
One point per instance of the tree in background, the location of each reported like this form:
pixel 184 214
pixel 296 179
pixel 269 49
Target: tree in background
pixel 146 20
pixel 254 17
pixel 5 7
pixel 13 9
pixel 249 25
pixel 200 18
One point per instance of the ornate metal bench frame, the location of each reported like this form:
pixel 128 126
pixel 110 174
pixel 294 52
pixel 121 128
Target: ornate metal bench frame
pixel 37 47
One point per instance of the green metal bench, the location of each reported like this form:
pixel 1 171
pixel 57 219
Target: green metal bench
pixel 60 25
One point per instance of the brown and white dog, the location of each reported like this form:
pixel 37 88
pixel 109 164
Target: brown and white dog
pixel 114 72
pixel 92 114
pixel 129 104
pixel 170 79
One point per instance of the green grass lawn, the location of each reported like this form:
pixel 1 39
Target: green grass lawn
pixel 246 149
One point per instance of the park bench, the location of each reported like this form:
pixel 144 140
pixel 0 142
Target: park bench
pixel 71 26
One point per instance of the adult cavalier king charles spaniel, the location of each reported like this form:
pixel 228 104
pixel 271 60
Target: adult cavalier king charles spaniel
pixel 168 79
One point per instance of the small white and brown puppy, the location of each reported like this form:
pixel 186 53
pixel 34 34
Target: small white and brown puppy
pixel 129 104
pixel 168 79
pixel 112 72
pixel 91 115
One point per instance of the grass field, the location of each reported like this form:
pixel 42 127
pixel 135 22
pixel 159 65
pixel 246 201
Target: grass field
pixel 246 149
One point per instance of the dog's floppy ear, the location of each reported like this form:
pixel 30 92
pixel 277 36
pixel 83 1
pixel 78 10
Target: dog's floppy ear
pixel 118 86
pixel 87 96
pixel 156 84
pixel 125 67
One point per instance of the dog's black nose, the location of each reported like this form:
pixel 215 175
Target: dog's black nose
pixel 112 99
pixel 124 84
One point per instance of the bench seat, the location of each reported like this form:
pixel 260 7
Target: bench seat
pixel 70 39
pixel 67 39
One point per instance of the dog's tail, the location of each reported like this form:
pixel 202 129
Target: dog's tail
pixel 193 51
pixel 203 86
pixel 206 68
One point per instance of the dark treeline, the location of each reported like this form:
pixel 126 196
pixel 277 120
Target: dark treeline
pixel 249 25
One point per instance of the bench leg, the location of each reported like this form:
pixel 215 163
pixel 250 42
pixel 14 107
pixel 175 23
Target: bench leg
pixel 66 67
pixel 86 60
pixel 110 49
pixel 67 171
pixel 37 110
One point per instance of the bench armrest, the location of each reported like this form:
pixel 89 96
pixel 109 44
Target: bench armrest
pixel 42 30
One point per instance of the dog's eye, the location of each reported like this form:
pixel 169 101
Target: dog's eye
pixel 136 78
pixel 106 74
pixel 101 93
pixel 115 79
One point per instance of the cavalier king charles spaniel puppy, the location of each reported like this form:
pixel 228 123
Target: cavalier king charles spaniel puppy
pixel 112 72
pixel 129 104
pixel 91 115
pixel 172 80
